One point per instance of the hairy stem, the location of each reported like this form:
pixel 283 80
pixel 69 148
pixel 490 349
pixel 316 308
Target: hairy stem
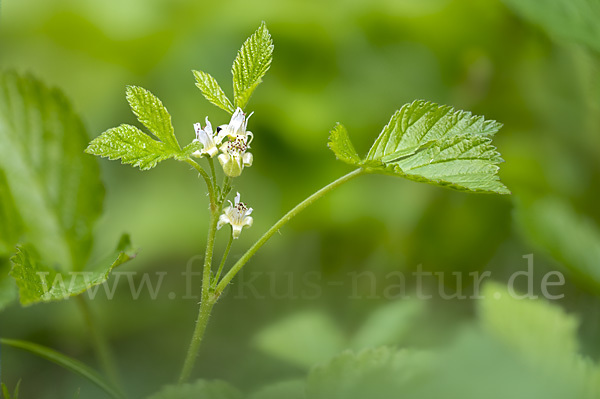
pixel 286 218
pixel 101 347
pixel 211 163
pixel 223 260
pixel 209 184
pixel 206 303
pixel 209 299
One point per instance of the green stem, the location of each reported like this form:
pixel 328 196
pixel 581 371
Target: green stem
pixel 286 218
pixel 208 300
pixel 226 188
pixel 223 260
pixel 212 170
pixel 68 363
pixel 206 303
pixel 105 356
pixel 209 184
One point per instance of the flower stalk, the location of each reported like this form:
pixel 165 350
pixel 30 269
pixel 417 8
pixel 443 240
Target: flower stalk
pixel 210 297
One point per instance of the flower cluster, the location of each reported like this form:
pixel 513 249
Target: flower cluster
pixel 231 143
pixel 232 140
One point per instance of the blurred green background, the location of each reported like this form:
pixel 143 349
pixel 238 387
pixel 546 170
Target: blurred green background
pixel 533 65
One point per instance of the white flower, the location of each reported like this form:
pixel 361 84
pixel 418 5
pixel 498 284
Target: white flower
pixel 237 215
pixel 236 127
pixel 234 156
pixel 208 140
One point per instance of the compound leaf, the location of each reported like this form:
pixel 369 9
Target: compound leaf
pixel 212 91
pixel 55 190
pixel 151 112
pixel 426 142
pixel 462 162
pixel 132 146
pixel 252 62
pixel 38 282
pixel 342 147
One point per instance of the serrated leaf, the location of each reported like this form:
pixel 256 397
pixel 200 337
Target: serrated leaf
pixel 436 144
pixel 422 122
pixel 342 147
pixel 199 389
pixel 467 163
pixel 66 362
pixel 553 226
pixel 189 149
pixel 212 91
pixel 38 282
pixel 252 62
pixel 132 146
pixel 294 338
pixel 55 188
pixel 151 112
pixel 375 373
pixel 574 20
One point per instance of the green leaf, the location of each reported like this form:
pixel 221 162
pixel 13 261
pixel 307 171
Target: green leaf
pixel 55 189
pixel 293 338
pixel 438 145
pixel 294 389
pixel 375 373
pixel 66 362
pixel 252 62
pixel 199 389
pixel 422 122
pixel 151 112
pixel 11 227
pixel 533 328
pixel 541 333
pixel 8 289
pixel 574 20
pixel 388 325
pixel 342 147
pixel 132 146
pixel 38 282
pixel 189 149
pixel 212 91
pixel 553 226
pixel 6 394
pixel 466 163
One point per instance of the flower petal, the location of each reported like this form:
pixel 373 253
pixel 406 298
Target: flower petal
pixel 223 220
pixel 247 159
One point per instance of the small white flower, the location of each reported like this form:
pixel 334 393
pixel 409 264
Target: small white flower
pixel 234 156
pixel 209 141
pixel 237 215
pixel 236 127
